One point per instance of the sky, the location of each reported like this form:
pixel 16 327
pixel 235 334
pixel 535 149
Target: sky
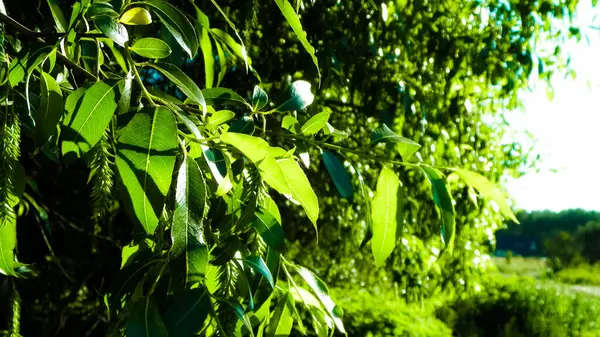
pixel 566 130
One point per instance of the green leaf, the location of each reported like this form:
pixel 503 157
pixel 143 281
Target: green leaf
pixel 303 154
pixel 88 122
pixel 182 81
pixel 315 123
pixel 259 265
pixel 152 48
pixel 112 29
pixel 300 97
pixel 238 49
pixel 177 24
pixel 241 314
pixel 269 204
pixel 188 312
pixel 145 162
pixel 387 215
pixel 330 130
pixel 222 96
pixel 272 174
pixel 254 148
pixel 259 98
pixel 58 16
pixel 50 110
pixel 406 147
pixel 282 321
pixel 220 117
pixel 443 202
pixel 339 175
pixel 489 190
pixel 145 321
pixel 322 293
pixel 187 231
pixel 292 18
pixel 243 125
pixel 8 242
pixel 100 8
pixel 72 104
pixel 269 229
pixel 136 16
pixel 222 62
pixel 290 123
pixel 301 189
pixel 207 55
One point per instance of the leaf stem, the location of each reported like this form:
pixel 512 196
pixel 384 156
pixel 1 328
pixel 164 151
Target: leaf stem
pixel 137 75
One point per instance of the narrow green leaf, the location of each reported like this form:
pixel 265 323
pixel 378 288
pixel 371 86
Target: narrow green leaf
pixel 58 16
pixel 72 104
pixel 223 96
pixel 290 123
pixel 112 29
pixel 259 98
pixel 209 59
pixel 386 215
pixel 238 49
pixel 220 117
pixel 282 321
pixel 136 16
pixel 315 123
pixel 50 110
pixel 145 162
pixel 269 204
pixel 322 293
pixel 222 62
pixel 101 8
pixel 90 119
pixel 187 229
pixel 269 229
pixel 489 190
pixel 182 81
pixel 8 242
pixel 145 320
pixel 254 148
pixel 300 97
pixel 443 202
pixel 301 189
pixel 188 311
pixel 152 48
pixel 258 264
pixel 241 314
pixel 33 62
pixel 406 147
pixel 177 24
pixel 339 175
pixel 292 18
pixel 273 175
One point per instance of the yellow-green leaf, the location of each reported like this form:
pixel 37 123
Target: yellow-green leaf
pixel 315 123
pixel 443 202
pixel 254 148
pixel 386 215
pixel 272 174
pixel 50 110
pixel 152 48
pixel 136 16
pixel 300 188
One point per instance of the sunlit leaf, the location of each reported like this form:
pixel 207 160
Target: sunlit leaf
pixel 282 321
pixel 177 24
pixel 339 175
pixel 101 8
pixel 151 48
pixel 303 154
pixel 50 110
pixel 188 311
pixel 220 117
pixel 301 189
pixel 292 18
pixel 322 293
pixel 271 207
pixel 182 81
pixel 223 96
pixel 315 123
pixel 443 201
pixel 8 242
pixel 273 175
pixel 300 97
pixel 58 16
pixel 202 28
pixel 386 214
pixel 91 117
pixel 145 162
pixel 405 146
pixel 254 148
pixel 290 123
pixel 187 228
pixel 136 16
pixel 112 29
pixel 269 229
pixel 488 190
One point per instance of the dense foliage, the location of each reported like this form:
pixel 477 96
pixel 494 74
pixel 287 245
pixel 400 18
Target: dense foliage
pixel 145 205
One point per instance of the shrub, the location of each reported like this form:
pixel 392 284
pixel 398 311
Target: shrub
pixel 372 315
pixel 523 307
pixel 583 274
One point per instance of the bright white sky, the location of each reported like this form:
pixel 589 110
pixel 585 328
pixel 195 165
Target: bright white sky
pixel 567 130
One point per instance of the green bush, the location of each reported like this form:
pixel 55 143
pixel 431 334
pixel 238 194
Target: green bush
pixel 371 315
pixel 523 308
